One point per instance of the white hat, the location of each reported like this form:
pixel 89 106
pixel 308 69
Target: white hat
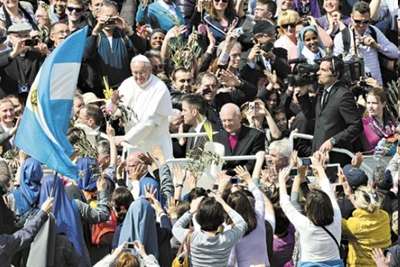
pixel 91 98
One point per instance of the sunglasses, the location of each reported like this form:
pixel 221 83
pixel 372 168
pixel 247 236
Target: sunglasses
pixel 223 1
pixel 292 25
pixel 77 9
pixel 357 21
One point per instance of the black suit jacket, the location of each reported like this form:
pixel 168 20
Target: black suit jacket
pixel 339 118
pixel 195 143
pixel 250 141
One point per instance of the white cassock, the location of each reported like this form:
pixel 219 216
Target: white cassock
pixel 152 105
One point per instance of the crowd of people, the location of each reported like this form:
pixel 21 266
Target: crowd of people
pixel 240 76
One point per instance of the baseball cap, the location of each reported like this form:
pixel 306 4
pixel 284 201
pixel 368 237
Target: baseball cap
pixel 355 176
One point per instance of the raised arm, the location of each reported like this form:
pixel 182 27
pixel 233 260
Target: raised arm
pixel 99 214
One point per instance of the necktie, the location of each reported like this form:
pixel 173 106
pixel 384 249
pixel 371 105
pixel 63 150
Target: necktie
pixel 324 99
pixel 233 139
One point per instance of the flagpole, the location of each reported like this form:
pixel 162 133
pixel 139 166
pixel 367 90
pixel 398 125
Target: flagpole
pixel 54 185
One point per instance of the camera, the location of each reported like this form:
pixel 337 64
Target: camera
pixel 234 180
pixel 261 60
pixel 110 21
pixel 352 71
pixel 302 73
pixel 31 42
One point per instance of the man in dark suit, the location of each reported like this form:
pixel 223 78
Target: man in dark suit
pixel 193 111
pixel 337 121
pixel 238 139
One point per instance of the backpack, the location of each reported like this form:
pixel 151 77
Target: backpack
pixel 99 230
pixel 387 65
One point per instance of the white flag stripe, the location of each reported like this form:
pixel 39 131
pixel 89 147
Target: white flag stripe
pixel 42 121
pixel 64 76
pixel 39 114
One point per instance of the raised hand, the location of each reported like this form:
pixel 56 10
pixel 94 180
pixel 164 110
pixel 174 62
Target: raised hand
pixel 243 174
pixel 47 205
pixel 101 184
pixel 380 259
pixel 195 204
pixel 150 194
pixel 179 175
pixel 172 208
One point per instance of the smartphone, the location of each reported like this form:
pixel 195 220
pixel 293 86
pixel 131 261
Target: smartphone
pixel 339 188
pixel 306 161
pixel 293 172
pixel 235 180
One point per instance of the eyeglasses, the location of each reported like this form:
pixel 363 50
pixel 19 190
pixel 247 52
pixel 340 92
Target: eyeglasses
pixel 77 9
pixel 358 21
pixel 223 1
pixel 292 25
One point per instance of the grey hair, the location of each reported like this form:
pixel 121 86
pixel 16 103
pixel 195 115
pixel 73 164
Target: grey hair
pixel 282 147
pixel 103 147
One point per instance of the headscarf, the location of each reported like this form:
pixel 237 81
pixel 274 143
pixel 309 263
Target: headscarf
pixel 315 10
pixel 140 224
pixel 301 45
pixel 27 195
pixel 87 173
pixel 66 212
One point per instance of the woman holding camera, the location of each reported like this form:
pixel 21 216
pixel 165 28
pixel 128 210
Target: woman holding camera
pixel 377 125
pixel 208 245
pixel 251 249
pixel 320 229
pixel 259 117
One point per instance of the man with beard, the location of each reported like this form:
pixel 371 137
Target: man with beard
pixel 108 51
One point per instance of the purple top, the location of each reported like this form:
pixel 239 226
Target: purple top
pixel 252 248
pixel 373 132
pixel 283 248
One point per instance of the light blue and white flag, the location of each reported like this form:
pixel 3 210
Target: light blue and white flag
pixel 42 132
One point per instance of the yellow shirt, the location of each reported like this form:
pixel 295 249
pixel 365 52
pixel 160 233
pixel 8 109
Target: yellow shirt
pixel 366 231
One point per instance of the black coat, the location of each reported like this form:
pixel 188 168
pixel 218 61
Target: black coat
pixel 21 70
pixel 339 118
pixel 250 141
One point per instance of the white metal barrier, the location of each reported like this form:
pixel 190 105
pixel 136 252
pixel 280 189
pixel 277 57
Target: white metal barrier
pixel 368 164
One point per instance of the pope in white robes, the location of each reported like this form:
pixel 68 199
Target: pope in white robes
pixel 148 101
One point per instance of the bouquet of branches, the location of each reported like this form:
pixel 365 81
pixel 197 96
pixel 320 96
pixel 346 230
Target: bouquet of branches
pixel 185 52
pixel 200 160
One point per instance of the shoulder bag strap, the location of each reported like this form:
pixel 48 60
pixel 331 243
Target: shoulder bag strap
pixel 332 236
